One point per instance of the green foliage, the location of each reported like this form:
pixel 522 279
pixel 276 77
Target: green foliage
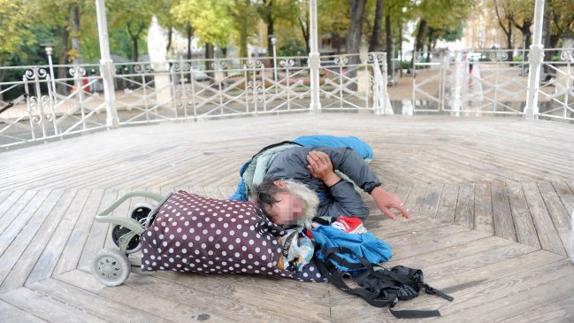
pixel 211 20
pixel 14 29
pixel 292 47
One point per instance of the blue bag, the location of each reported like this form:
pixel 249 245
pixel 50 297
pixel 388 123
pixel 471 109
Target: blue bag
pixel 366 245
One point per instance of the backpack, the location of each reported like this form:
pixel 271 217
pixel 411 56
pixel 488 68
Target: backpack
pixel 380 287
pixel 365 245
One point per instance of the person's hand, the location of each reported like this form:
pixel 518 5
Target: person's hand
pixel 320 167
pixel 386 201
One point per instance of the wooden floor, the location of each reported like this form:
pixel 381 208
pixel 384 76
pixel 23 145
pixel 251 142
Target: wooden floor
pixel 491 199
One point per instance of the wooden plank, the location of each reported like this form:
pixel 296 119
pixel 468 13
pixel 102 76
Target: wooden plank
pixel 17 207
pixel 73 249
pixel 7 200
pixel 558 214
pixel 47 262
pixel 406 246
pixel 36 243
pixel 525 230
pixel 477 281
pixel 45 307
pixel 483 218
pixel 554 310
pixel 98 232
pixel 503 224
pixel 20 221
pixel 262 293
pixel 447 205
pixel 176 302
pixel 511 295
pixel 10 313
pixel 547 233
pixel 18 236
pixel 91 303
pixel 464 214
pixel 566 195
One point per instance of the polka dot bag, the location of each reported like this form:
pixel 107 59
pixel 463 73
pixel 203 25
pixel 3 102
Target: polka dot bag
pixel 197 234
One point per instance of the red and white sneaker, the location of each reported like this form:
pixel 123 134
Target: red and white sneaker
pixel 349 224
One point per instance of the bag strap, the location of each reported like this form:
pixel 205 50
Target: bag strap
pixel 335 277
pixel 334 251
pixel 437 292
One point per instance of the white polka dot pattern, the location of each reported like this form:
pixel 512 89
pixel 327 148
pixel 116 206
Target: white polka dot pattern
pixel 192 233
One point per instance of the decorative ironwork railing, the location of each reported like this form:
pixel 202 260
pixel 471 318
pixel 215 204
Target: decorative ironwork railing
pixel 556 92
pixel 472 82
pixel 40 107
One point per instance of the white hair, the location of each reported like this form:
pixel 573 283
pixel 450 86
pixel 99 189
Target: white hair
pixel 308 197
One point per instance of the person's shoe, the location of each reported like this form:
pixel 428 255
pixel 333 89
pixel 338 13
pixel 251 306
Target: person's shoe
pixel 349 224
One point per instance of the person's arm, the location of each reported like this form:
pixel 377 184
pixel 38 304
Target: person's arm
pixel 344 200
pixel 321 166
pixel 351 164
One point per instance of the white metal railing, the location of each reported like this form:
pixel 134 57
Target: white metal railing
pixel 483 82
pixel 38 107
pixel 556 92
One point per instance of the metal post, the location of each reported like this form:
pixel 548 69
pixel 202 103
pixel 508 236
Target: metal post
pixel 534 61
pixel 314 58
pixel 273 42
pixel 49 50
pixel 106 66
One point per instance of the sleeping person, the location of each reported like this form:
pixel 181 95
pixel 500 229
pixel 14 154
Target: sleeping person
pixel 301 183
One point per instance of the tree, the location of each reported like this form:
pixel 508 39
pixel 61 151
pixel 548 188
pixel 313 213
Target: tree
pixel 354 34
pixel 244 17
pixel 437 18
pixel 134 16
pixel 375 41
pixel 15 29
pixel 335 20
pixel 504 17
pixel 270 11
pixel 211 21
pixel 522 18
pixel 562 20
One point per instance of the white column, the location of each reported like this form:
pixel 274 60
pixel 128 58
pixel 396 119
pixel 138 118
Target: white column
pixel 535 61
pixel 106 66
pixel 314 59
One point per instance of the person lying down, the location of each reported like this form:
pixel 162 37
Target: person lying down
pixel 269 235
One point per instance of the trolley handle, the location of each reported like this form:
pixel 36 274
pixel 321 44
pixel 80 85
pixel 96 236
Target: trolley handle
pixel 122 199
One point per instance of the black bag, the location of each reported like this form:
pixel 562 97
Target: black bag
pixel 380 287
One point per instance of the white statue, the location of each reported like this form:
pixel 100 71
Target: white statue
pixel 156 43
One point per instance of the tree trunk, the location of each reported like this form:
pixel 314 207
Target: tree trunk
pixel 62 60
pixel 270 32
pixel 509 42
pixel 169 38
pixel 375 42
pixel 419 41
pixel 75 33
pixel 305 32
pixel 189 34
pixel 243 38
pixel 389 44
pixel 209 51
pixel 135 49
pixel 353 42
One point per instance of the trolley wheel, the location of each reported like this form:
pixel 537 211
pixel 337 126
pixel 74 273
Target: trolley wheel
pixel 111 267
pixel 140 212
pixel 118 231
